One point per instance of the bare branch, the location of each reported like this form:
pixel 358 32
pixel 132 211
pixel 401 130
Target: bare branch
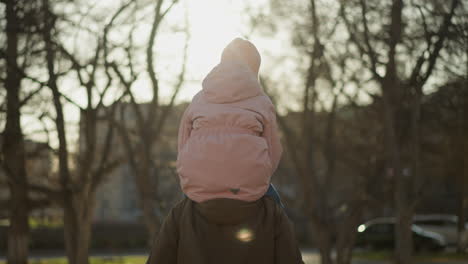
pixel 178 87
pixel 101 171
pixel 127 86
pixel 396 28
pixel 30 95
pixel 426 31
pixel 68 99
pixel 352 31
pixel 152 114
pixel 124 134
pixel 370 50
pixel 442 35
pixel 76 65
pixel 64 171
pixel 417 80
pixel 168 9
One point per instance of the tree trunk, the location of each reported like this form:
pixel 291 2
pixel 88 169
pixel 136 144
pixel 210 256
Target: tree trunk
pixel 393 104
pixel 140 163
pixel 344 252
pixel 462 241
pixel 347 235
pixel 78 214
pixel 403 206
pixel 404 235
pixel 13 148
pixel 76 232
pixel 325 248
pixel 323 240
pixel 18 233
pixel 146 191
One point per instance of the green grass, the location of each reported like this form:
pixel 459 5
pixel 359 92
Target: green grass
pixel 377 256
pixel 373 255
pixel 94 260
pixel 387 255
pixel 37 222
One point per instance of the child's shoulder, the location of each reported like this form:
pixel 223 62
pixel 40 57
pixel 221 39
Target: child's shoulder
pixel 264 97
pixel 197 97
pixel 261 103
pixel 261 100
pixel 265 101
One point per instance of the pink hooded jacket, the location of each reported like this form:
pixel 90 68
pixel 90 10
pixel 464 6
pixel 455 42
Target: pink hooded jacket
pixel 228 141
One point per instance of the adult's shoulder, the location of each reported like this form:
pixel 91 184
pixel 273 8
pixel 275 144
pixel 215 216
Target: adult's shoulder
pixel 272 208
pixel 179 207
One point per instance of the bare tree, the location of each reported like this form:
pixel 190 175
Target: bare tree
pixel 462 244
pixel 457 50
pixel 458 152
pixel 21 27
pixel 78 186
pixel 141 140
pixel 323 139
pixel 399 60
pixel 13 146
pixel 401 92
pixel 445 117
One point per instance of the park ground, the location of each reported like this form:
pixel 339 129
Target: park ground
pixel 309 257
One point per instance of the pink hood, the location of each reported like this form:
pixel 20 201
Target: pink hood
pixel 230 82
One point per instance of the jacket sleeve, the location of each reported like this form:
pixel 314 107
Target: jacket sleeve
pixel 165 245
pixel 185 128
pixel 286 247
pixel 270 133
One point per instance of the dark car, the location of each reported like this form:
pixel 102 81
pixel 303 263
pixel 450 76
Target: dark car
pixel 379 234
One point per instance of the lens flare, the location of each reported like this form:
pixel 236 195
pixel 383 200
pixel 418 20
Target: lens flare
pixel 245 235
pixel 361 228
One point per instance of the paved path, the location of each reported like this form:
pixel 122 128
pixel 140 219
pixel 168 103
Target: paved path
pixel 309 257
pixel 312 257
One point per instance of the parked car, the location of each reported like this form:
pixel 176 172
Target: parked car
pixel 379 234
pixel 443 224
pixel 436 220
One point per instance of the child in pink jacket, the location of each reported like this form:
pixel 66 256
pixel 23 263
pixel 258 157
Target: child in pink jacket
pixel 228 137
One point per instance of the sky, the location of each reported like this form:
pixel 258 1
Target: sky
pixel 213 24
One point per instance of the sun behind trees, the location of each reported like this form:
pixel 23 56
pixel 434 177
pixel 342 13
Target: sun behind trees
pixel 372 97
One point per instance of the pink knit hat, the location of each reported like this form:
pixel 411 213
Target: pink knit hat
pixel 242 50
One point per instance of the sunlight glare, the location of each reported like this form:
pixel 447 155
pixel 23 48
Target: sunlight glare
pixel 245 235
pixel 213 25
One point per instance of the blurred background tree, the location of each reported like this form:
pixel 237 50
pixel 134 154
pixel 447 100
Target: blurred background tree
pixel 371 95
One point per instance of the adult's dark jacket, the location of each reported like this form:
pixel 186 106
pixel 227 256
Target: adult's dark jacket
pixel 226 231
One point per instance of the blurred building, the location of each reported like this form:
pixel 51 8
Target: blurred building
pixel 38 169
pixel 117 197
